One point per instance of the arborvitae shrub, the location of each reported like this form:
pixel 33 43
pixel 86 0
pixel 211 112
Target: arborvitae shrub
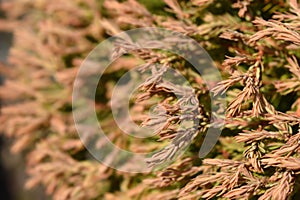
pixel 256 46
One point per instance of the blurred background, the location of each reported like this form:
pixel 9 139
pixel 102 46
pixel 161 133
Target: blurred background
pixel 12 166
pixel 7 167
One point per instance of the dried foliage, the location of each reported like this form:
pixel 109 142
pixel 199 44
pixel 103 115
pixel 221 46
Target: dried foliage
pixel 255 45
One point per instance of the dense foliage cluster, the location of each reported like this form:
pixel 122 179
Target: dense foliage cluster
pixel 254 44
